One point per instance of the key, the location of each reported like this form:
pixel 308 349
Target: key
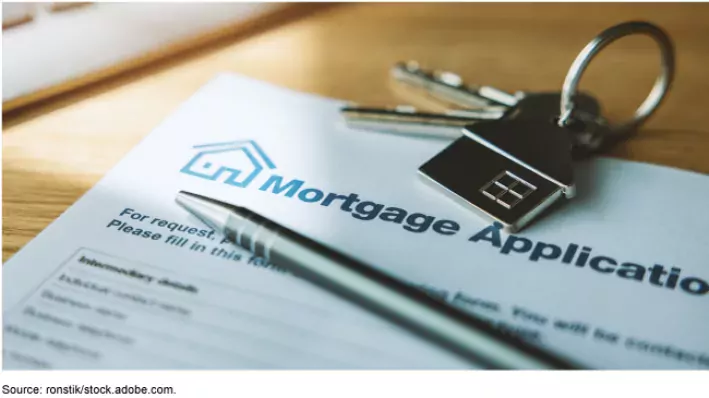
pixel 450 87
pixel 408 120
pixel 443 85
pixel 513 160
pixel 491 103
pixel 509 170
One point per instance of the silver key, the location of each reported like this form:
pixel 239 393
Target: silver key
pixel 477 103
pixel 407 120
pixel 450 87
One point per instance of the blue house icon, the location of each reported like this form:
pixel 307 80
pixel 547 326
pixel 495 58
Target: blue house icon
pixel 235 163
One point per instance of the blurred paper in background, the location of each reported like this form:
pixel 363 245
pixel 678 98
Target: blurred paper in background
pixel 50 48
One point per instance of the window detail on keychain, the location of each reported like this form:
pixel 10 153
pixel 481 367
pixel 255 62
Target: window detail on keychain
pixel 507 189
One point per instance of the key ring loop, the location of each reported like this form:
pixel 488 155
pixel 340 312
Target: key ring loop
pixel 659 90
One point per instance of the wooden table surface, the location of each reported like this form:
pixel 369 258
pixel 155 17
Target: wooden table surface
pixel 55 151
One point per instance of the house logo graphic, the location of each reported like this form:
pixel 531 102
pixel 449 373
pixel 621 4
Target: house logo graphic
pixel 234 163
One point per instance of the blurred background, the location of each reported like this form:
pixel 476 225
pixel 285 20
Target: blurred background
pixel 50 48
pixel 342 50
pixel 88 79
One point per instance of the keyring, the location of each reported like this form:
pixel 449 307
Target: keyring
pixel 608 36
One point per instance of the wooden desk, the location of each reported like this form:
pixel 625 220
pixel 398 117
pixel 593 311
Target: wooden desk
pixel 56 151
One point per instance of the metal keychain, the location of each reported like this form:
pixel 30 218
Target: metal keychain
pixel 510 170
pixel 474 104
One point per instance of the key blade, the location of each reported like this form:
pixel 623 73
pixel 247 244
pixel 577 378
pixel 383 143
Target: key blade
pixel 443 85
pixel 487 113
pixel 407 120
pixel 499 96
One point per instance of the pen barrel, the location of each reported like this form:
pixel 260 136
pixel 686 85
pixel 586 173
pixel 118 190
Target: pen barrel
pixel 464 335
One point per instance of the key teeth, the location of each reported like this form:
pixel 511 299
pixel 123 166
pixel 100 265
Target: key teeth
pixel 402 68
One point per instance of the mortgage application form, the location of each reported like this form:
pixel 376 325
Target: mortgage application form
pixel 126 279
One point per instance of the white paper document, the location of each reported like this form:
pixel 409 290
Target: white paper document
pixel 618 277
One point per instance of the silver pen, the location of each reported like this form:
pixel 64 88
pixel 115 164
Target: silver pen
pixel 452 329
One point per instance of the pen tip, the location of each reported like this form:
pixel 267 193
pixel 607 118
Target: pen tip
pixel 190 194
pixel 212 212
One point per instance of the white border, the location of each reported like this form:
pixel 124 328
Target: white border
pixel 341 384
